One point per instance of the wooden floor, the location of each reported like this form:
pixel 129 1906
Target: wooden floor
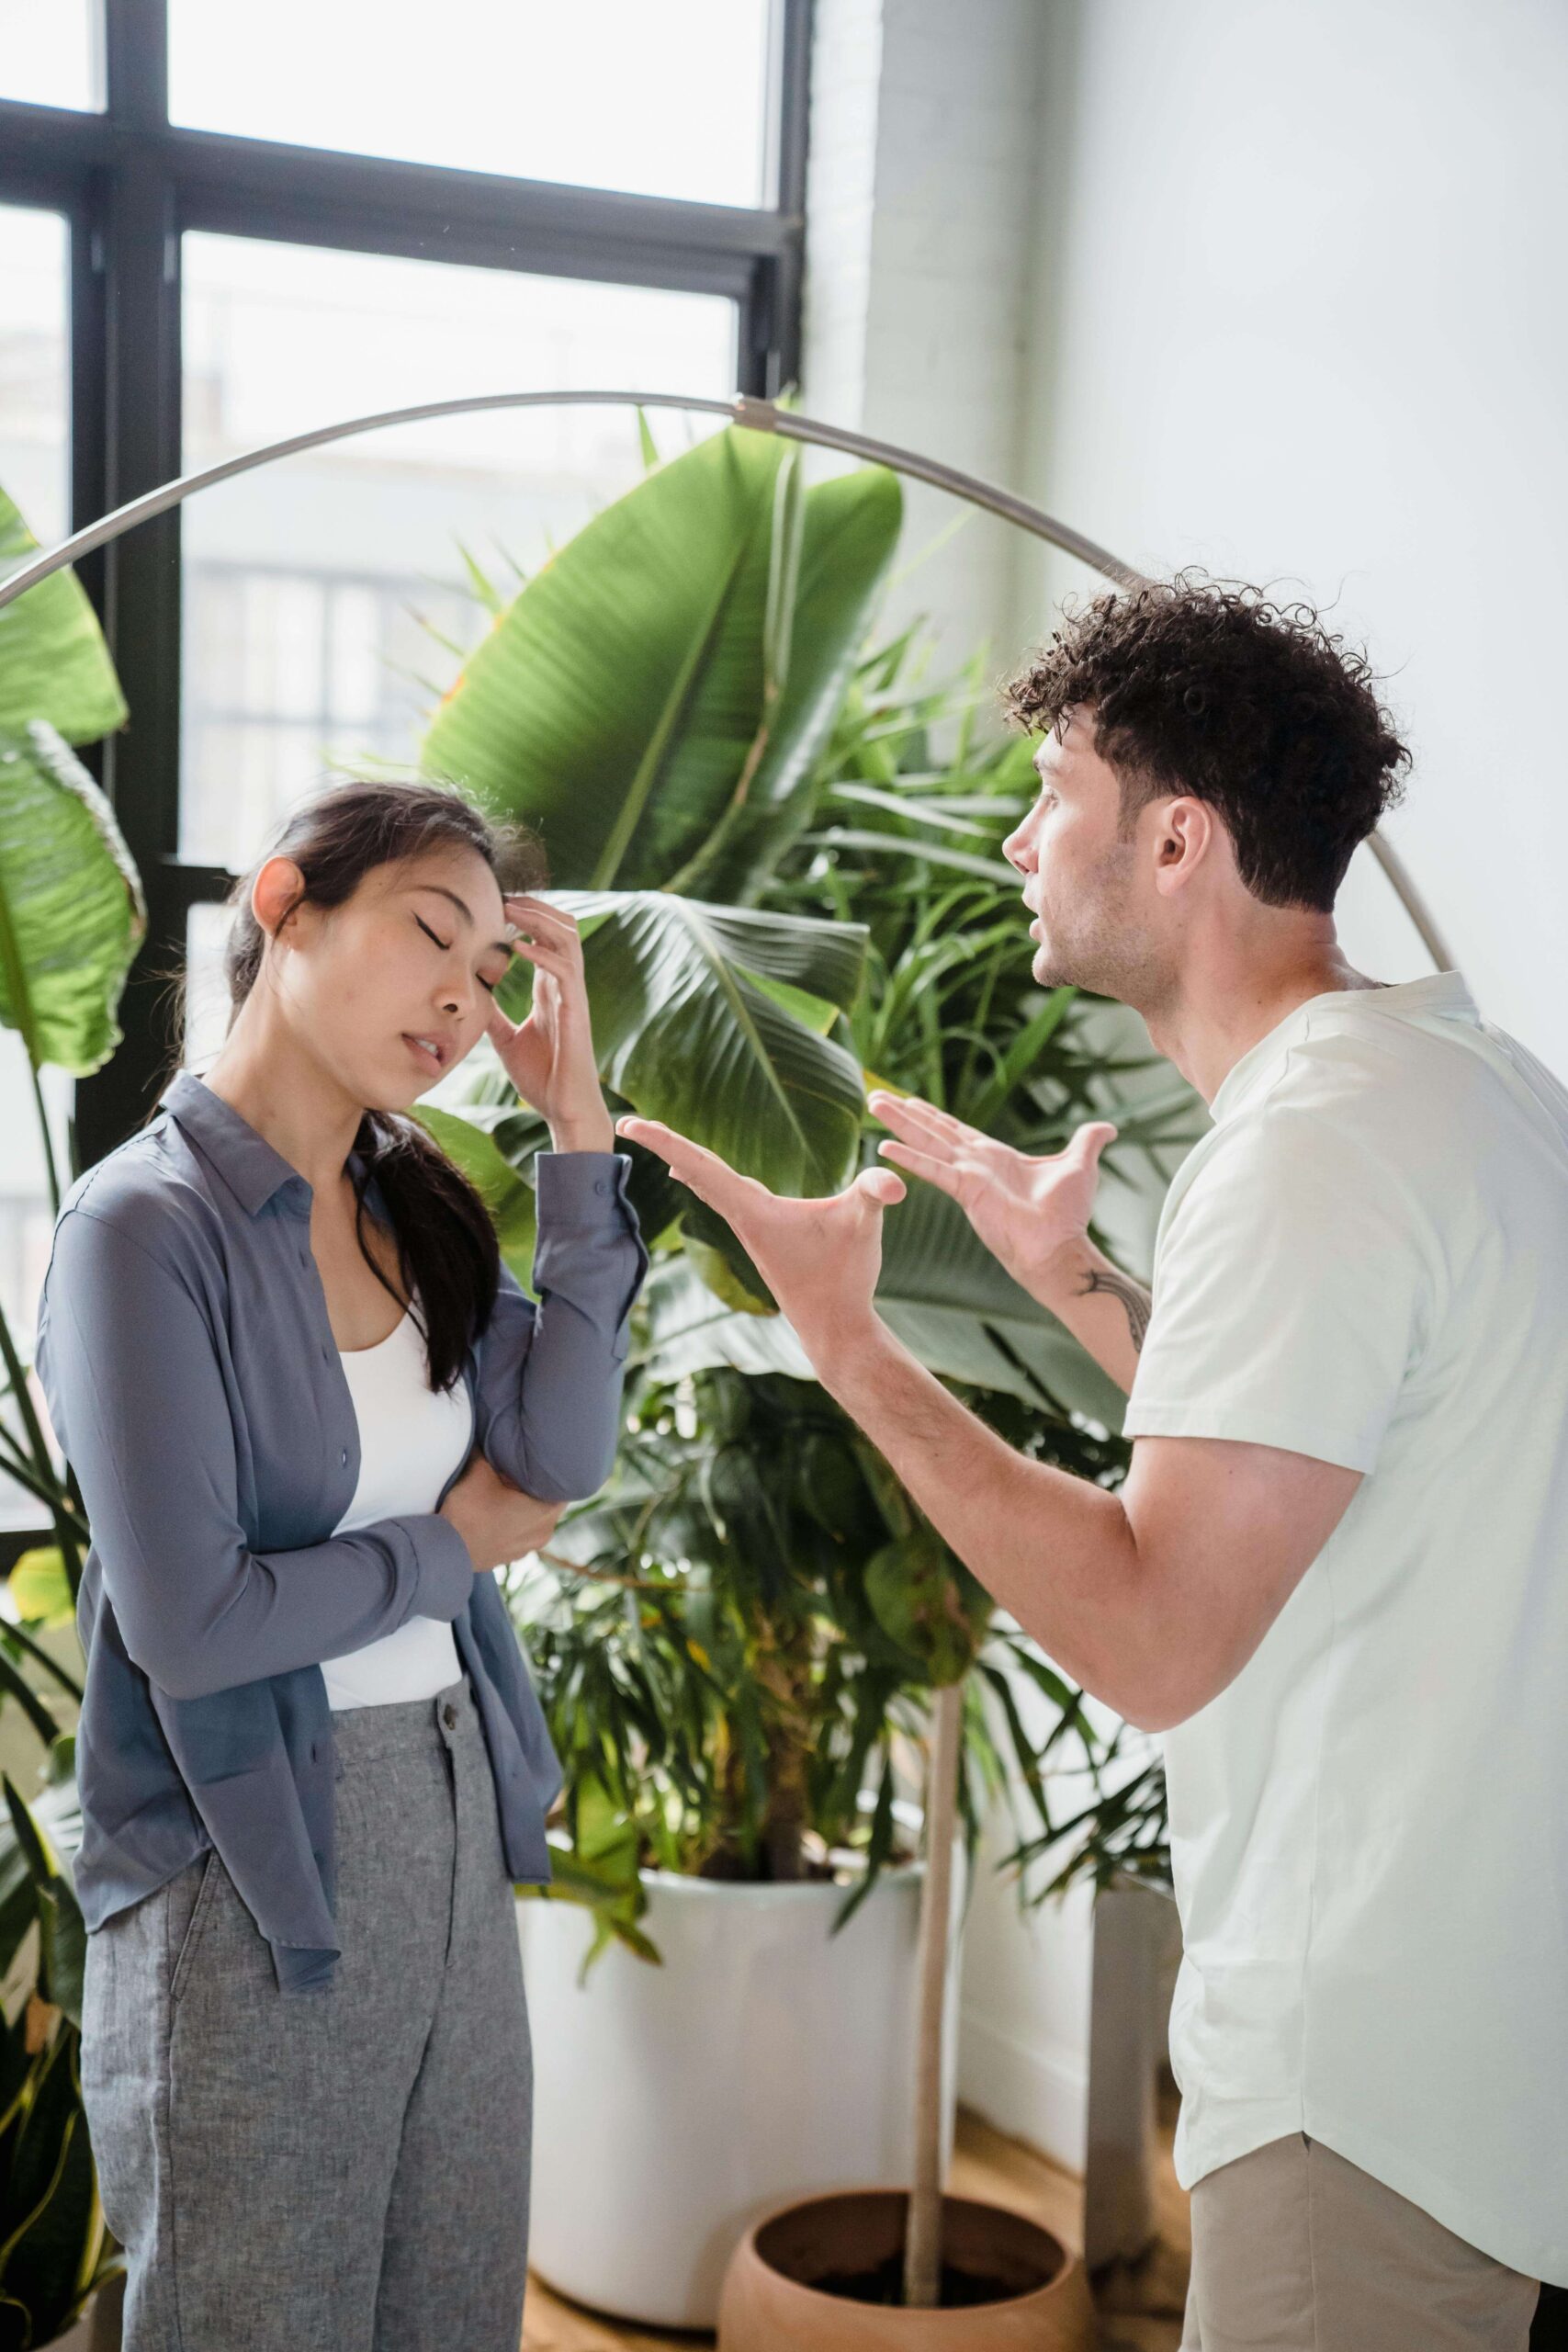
pixel 1140 2309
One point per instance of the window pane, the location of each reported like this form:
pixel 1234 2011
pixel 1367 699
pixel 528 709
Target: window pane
pixel 33 356
pixel 206 997
pixel 26 1228
pixel 609 94
pixel 52 52
pixel 323 596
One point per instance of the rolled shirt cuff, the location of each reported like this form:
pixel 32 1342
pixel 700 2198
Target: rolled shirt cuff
pixel 579 1187
pixel 445 1566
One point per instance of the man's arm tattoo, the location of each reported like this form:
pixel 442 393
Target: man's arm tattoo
pixel 1133 1296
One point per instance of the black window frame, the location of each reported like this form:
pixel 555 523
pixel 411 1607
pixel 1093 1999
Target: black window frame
pixel 130 183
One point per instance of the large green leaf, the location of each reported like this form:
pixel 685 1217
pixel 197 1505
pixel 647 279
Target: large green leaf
pixel 71 912
pixel 940 1291
pixel 928 1603
pixel 40 1589
pixel 62 1936
pixel 570 711
pixel 688 1029
pixel 849 530
pixel 56 2222
pixel 58 1808
pixel 467 1138
pixel 53 662
pixel 652 698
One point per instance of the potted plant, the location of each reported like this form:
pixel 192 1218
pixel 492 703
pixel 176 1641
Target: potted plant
pixel 731 1642
pixel 714 1687
pixel 71 919
pixel 683 702
pixel 864 2271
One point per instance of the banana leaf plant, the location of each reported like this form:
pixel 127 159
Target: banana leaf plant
pixel 684 703
pixel 737 1641
pixel 71 917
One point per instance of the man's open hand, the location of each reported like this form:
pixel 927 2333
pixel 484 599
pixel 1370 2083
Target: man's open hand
pixel 819 1257
pixel 1027 1207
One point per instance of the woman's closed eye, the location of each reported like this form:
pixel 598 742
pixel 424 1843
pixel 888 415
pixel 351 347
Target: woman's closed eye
pixel 446 946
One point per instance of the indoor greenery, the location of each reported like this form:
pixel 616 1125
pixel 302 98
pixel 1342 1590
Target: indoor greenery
pixel 72 916
pixel 785 892
pixel 732 1639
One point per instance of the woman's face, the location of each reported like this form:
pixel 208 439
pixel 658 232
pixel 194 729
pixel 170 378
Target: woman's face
pixel 409 962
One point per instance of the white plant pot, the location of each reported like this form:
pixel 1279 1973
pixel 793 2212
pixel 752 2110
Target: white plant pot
pixel 675 2106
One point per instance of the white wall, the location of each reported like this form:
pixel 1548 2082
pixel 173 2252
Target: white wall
pixel 919 231
pixel 1298 315
pixel 1271 289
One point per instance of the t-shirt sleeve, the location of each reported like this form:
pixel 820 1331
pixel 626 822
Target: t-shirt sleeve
pixel 1292 1295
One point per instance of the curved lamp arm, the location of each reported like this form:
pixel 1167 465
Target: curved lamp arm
pixel 757 415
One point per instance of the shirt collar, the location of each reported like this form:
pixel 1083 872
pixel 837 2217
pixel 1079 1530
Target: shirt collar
pixel 248 1164
pixel 1443 994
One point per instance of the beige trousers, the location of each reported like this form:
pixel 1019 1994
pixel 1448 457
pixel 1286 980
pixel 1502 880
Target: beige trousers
pixel 1294 2249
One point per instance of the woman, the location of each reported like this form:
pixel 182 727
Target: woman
pixel 309 1410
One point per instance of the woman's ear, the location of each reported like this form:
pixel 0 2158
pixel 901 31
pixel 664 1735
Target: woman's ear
pixel 275 892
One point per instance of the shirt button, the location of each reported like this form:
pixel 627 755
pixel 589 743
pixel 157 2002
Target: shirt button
pixel 601 1184
pixel 343 1455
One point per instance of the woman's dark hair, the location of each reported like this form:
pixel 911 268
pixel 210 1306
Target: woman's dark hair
pixel 1205 687
pixel 445 1240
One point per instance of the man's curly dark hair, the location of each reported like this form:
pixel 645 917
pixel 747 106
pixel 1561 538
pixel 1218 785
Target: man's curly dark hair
pixel 1205 687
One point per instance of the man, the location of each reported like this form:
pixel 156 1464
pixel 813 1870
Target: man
pixel 1335 1575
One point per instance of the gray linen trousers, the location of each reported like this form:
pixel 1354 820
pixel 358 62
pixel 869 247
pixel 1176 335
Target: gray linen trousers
pixel 348 2170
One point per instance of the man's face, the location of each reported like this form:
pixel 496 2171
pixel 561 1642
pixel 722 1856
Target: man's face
pixel 1082 881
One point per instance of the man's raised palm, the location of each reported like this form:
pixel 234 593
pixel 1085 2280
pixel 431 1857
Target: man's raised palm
pixel 1025 1206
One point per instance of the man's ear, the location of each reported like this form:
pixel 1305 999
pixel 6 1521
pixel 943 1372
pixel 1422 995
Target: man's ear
pixel 1182 839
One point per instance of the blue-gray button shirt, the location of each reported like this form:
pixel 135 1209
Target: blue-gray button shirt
pixel 194 1382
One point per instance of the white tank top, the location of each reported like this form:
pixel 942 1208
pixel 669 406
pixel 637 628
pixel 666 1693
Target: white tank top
pixel 411 1440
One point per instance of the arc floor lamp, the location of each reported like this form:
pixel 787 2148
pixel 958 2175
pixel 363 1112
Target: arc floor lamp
pixel 755 416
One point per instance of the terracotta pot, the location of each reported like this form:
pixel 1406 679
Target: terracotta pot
pixel 770 2302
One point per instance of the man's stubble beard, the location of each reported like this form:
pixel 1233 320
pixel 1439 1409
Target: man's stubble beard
pixel 1099 946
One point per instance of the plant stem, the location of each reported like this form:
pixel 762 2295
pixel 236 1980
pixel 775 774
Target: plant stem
pixel 783 1669
pixel 48 1140
pixel 922 2243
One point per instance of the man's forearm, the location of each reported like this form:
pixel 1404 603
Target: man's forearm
pixel 1106 1311
pixel 1055 1550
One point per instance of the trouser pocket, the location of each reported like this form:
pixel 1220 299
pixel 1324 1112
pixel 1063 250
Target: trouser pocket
pixel 184 1934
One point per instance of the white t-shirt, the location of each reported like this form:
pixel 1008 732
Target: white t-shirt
pixel 411 1440
pixel 1367 1260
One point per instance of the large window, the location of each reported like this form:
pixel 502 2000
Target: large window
pixel 324 595
pixel 52 52
pixel 34 358
pixel 665 100
pixel 204 246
